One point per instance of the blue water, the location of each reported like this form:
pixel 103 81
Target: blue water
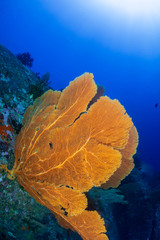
pixel 67 43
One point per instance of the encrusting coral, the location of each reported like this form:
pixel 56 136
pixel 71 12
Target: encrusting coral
pixel 65 148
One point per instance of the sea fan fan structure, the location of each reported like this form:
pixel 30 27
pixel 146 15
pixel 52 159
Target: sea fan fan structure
pixel 65 148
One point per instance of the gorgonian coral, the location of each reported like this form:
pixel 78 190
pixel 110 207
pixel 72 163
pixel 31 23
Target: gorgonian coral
pixel 65 148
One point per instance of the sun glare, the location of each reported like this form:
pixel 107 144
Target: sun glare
pixel 132 8
pixel 129 25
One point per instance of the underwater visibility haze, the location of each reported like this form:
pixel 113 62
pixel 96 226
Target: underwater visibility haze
pixel 56 42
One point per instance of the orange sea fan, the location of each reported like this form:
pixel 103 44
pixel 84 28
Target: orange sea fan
pixel 127 163
pixel 64 149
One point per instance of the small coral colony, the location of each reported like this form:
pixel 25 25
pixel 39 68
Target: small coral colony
pixel 67 145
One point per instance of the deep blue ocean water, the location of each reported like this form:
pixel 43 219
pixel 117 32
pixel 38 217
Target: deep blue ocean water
pixel 67 40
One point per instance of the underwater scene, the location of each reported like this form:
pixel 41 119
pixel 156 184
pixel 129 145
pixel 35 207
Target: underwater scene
pixel 79 120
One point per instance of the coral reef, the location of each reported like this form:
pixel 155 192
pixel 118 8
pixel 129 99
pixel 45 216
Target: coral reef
pixel 25 58
pixel 132 211
pixel 40 87
pixel 13 73
pixel 63 150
